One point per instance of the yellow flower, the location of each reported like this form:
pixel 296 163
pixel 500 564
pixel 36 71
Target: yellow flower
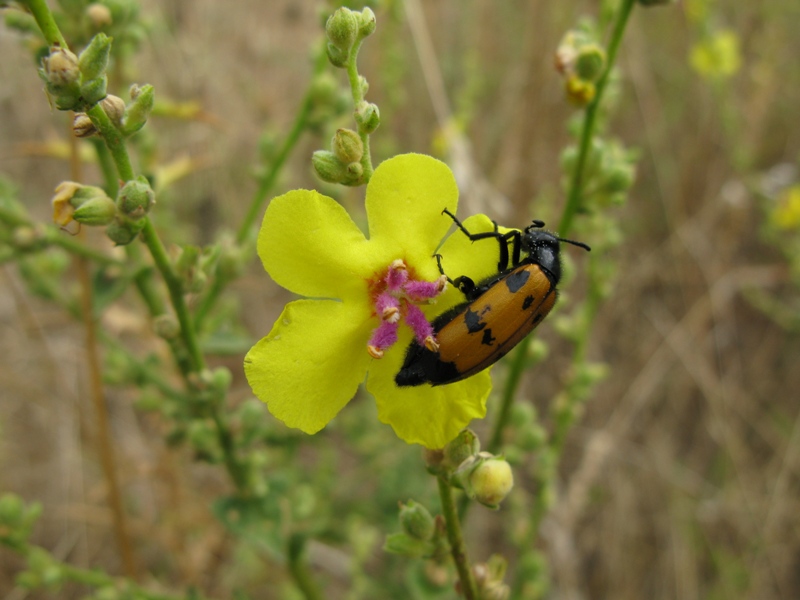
pixel 786 214
pixel 718 56
pixel 324 346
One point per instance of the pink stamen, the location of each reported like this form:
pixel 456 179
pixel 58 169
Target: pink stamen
pixel 396 296
pixel 388 307
pixel 425 290
pixel 384 336
pixel 397 275
pixel 419 324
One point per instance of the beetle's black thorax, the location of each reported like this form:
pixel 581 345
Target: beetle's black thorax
pixel 542 248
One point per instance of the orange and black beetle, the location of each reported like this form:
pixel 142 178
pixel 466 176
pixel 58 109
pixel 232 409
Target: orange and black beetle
pixel 499 312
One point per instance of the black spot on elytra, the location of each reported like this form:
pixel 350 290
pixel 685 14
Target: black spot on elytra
pixel 526 304
pixel 537 318
pixel 515 281
pixel 487 340
pixel 473 321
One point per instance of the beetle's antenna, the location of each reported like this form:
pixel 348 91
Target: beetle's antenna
pixel 574 243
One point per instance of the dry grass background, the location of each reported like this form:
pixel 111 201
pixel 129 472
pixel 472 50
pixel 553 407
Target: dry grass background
pixel 682 479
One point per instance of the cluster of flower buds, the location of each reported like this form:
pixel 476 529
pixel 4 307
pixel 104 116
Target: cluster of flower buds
pixel 422 534
pixel 345 30
pixel 581 60
pixel 134 201
pixel 193 265
pixel 342 163
pixel 484 477
pixel 489 579
pixel 77 82
pixel 128 119
pixel 610 171
pixel 88 205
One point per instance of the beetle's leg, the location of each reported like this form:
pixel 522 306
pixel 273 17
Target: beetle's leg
pixel 474 236
pixel 465 285
pixel 515 237
pixel 441 270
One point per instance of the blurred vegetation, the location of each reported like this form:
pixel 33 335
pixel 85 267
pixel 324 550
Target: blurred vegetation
pixel 657 457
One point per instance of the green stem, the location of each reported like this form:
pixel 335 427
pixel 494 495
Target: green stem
pixel 226 442
pixel 358 98
pixel 298 567
pixel 114 141
pixel 590 118
pixel 53 237
pixel 46 22
pixel 594 299
pixel 516 369
pixel 458 548
pixel 107 168
pixel 159 254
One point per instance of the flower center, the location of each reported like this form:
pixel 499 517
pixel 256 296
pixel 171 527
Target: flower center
pixel 395 297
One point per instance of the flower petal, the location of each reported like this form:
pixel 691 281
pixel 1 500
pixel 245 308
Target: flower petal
pixel 310 246
pixel 426 415
pixel 311 363
pixel 405 199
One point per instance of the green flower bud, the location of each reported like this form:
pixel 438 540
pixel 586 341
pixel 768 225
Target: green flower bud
pixel 489 578
pixel 342 29
pixel 363 84
pixel 579 92
pixel 324 89
pixel 590 62
pixel 366 22
pixel 336 56
pixel 189 267
pixel 232 260
pixel 95 212
pixel 405 545
pixel 203 439
pixel 61 71
pixel 135 198
pixel 464 446
pixel 114 107
pixel 123 231
pixel 491 481
pixel 221 379
pixel 93 61
pixel 485 478
pixel 354 173
pixel 619 178
pixel 166 326
pixel 12 509
pixel 416 521
pixel 139 110
pixel 94 90
pixel 537 350
pixel 328 167
pixel 25 237
pixel 347 146
pixel 367 116
pixel 99 15
pixel 82 126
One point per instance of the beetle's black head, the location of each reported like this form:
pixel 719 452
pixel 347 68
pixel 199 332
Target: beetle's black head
pixel 543 248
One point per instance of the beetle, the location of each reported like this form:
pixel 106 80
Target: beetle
pixel 498 313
